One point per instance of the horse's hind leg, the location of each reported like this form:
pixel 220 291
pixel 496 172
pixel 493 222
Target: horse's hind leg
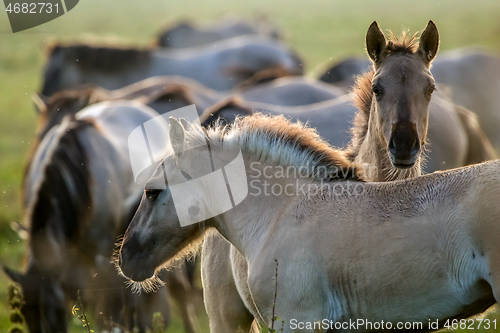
pixel 226 311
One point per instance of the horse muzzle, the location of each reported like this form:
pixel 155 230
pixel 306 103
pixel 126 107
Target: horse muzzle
pixel 132 263
pixel 404 150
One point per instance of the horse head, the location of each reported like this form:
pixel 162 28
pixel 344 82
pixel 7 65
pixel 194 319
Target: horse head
pixel 402 86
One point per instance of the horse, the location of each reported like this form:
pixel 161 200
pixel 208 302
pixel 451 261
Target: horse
pixel 474 78
pixel 471 75
pixel 356 250
pixel 335 119
pixel 343 73
pixel 228 314
pixel 79 194
pixel 221 67
pixel 186 34
pixel 167 93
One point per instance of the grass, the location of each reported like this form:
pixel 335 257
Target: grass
pixel 321 31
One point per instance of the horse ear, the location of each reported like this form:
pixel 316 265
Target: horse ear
pixel 429 43
pixel 13 275
pixel 375 42
pixel 185 123
pixel 40 102
pixel 176 134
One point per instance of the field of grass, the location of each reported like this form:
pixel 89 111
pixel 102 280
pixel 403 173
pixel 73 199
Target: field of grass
pixel 320 30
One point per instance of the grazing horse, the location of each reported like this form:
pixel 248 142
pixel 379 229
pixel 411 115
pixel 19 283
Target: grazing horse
pixel 340 250
pixel 186 34
pixel 79 195
pixel 221 67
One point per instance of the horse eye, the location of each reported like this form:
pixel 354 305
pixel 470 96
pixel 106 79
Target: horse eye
pixel 430 90
pixel 152 193
pixel 186 175
pixel 377 91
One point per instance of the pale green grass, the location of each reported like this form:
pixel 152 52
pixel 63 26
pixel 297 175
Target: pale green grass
pixel 320 30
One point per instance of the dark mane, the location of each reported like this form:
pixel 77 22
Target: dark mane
pixel 263 76
pixel 234 103
pixel 63 199
pixel 173 91
pixel 101 58
pixel 57 106
pixel 362 99
pixel 70 101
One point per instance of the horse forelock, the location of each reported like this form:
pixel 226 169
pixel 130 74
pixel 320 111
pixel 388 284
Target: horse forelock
pixel 277 141
pixel 63 197
pixel 405 44
pixel 362 99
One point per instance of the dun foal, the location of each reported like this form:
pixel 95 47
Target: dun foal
pixel 422 250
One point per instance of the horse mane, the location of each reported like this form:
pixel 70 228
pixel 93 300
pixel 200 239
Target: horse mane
pixel 211 114
pixel 263 76
pixel 57 106
pixel 173 90
pixel 362 100
pixel 64 190
pixel 66 100
pixel 102 58
pixel 278 141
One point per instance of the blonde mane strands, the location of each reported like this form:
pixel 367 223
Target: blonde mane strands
pixel 279 141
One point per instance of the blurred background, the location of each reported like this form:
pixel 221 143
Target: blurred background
pixel 320 31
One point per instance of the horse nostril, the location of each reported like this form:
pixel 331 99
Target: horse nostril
pixel 392 146
pixel 416 147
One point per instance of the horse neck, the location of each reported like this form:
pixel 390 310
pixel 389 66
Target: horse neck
pixel 164 63
pixel 374 156
pixel 248 224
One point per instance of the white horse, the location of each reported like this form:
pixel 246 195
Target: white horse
pixel 421 250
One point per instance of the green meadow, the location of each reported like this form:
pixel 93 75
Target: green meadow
pixel 321 31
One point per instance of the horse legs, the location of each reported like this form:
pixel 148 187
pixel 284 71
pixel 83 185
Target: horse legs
pixel 226 311
pixel 181 291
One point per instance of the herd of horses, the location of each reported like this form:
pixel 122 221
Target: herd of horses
pixel 412 243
